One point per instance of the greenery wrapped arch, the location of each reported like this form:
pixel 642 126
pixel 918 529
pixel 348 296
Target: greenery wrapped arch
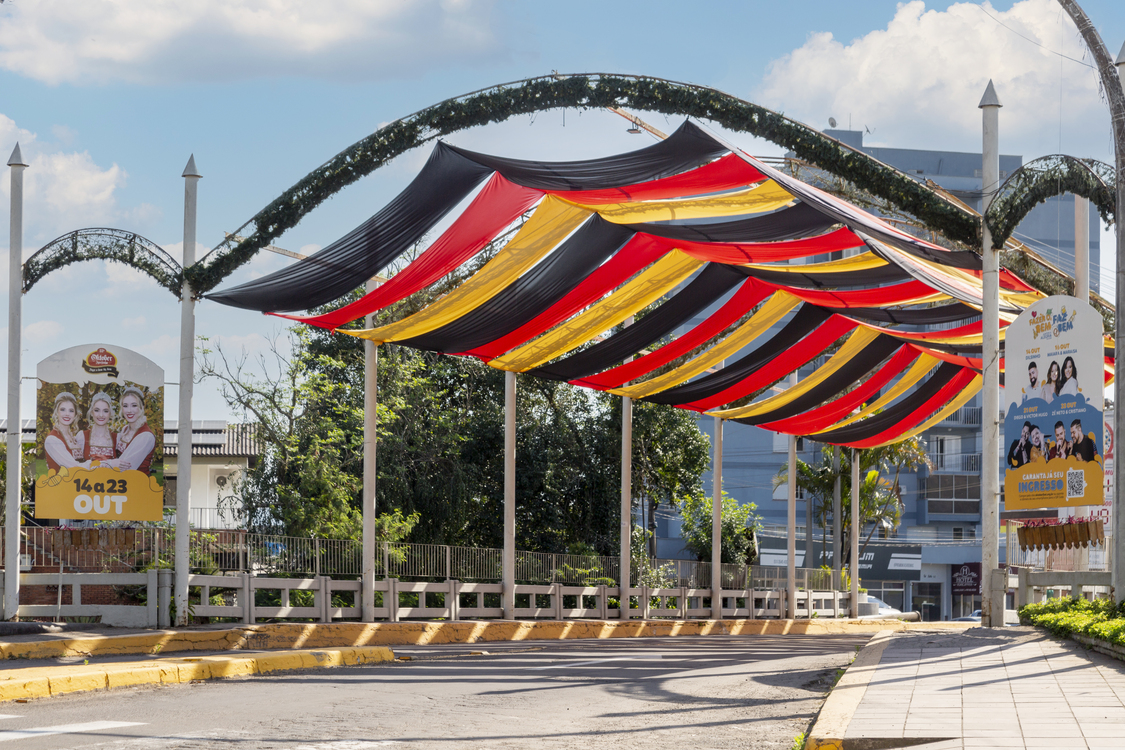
pixel 115 245
pixel 1045 178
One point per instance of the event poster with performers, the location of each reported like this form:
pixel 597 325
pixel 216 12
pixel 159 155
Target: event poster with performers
pixel 99 436
pixel 1054 385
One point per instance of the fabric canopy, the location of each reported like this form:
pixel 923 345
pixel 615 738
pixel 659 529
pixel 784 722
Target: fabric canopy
pixel 685 273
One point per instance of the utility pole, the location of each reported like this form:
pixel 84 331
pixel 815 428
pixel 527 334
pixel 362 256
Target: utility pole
pixel 15 433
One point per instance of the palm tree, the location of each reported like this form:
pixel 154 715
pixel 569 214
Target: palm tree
pixel 880 494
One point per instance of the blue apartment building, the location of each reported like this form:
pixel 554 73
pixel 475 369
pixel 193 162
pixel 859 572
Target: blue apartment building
pixel 942 506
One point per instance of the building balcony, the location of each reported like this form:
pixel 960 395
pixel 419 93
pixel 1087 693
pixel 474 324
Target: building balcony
pixel 966 416
pixel 955 463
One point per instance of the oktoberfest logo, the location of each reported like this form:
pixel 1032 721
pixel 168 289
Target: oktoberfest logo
pixel 101 362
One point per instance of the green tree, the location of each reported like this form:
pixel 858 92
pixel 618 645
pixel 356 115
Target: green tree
pixel 738 523
pixel 880 493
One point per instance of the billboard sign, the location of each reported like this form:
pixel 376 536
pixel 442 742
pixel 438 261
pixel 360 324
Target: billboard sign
pixel 1054 381
pixel 966 579
pixel 879 561
pixel 99 436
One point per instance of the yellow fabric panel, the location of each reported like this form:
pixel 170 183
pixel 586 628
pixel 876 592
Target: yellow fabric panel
pixel 859 338
pixel 860 262
pixel 962 399
pixel 648 286
pixel 917 371
pixel 551 223
pixel 768 196
pixel 771 312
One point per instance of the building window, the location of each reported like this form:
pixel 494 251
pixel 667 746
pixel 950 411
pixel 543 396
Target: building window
pixel 953 493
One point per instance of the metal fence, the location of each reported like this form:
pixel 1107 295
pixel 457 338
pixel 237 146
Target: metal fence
pixel 219 552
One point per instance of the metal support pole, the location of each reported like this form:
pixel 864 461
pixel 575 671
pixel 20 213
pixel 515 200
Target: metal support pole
pixel 990 420
pixel 857 527
pixel 1082 248
pixel 626 530
pixel 187 379
pixel 509 564
pixel 15 310
pixel 837 510
pixel 717 524
pixel 791 557
pixel 370 426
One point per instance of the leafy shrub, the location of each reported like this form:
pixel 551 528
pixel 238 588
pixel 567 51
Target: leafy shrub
pixel 1102 619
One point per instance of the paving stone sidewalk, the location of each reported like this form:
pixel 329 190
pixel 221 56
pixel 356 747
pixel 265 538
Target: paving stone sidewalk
pixel 1010 688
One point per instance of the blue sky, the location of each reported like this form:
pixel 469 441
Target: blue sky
pixel 109 97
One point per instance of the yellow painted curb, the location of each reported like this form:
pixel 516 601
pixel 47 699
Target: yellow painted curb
pixel 840 706
pixel 348 634
pixel 42 682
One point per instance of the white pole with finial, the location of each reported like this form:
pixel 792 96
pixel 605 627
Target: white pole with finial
pixel 992 597
pixel 187 379
pixel 15 308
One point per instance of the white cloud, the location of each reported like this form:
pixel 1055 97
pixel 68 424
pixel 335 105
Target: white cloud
pixel 162 346
pixel 132 323
pixel 43 330
pixel 918 81
pixel 146 41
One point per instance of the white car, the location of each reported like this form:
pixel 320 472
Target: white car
pixel 884 608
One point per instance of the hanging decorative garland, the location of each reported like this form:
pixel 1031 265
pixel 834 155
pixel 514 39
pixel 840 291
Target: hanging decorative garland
pixel 1044 178
pixel 115 245
pixel 582 92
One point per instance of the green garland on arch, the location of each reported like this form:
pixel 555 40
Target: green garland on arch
pixel 117 245
pixel 590 91
pixel 1044 178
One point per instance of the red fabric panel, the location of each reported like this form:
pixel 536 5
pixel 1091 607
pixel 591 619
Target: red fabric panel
pixel 923 412
pixel 1008 280
pixel 957 359
pixel 767 252
pixel 497 205
pixel 727 173
pixel 896 294
pixel 804 351
pixel 637 253
pixel 828 414
pixel 741 302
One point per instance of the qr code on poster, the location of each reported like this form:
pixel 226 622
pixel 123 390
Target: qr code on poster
pixel 1075 483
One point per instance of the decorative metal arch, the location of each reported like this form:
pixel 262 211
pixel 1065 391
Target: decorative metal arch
pixel 1045 178
pixel 587 91
pixel 105 244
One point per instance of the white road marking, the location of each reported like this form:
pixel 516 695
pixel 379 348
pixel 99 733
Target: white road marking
pixel 598 661
pixel 8 716
pixel 89 726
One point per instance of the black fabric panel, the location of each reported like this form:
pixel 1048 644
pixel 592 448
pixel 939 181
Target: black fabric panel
pixel 800 325
pixel 794 222
pixel 713 282
pixel 544 285
pixel 827 280
pixel 348 262
pixel 890 417
pixel 916 316
pixel 687 148
pixel 863 362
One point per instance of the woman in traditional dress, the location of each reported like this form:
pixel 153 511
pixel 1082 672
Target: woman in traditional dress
pixel 136 443
pixel 64 443
pixel 1069 385
pixel 100 441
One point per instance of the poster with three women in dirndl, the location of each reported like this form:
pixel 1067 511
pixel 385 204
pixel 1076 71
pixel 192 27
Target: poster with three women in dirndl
pixel 99 436
pixel 1054 386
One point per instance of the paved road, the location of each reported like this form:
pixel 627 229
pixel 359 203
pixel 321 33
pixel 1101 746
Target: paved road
pixel 701 692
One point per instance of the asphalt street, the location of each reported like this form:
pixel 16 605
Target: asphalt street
pixel 702 692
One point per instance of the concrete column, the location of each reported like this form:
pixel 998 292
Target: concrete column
pixel 837 510
pixel 187 380
pixel 15 321
pixel 717 525
pixel 990 420
pixel 1082 248
pixel 1118 554
pixel 626 530
pixel 791 547
pixel 857 527
pixel 509 563
pixel 370 436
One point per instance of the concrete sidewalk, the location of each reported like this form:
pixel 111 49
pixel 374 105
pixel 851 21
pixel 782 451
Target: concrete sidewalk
pixel 1010 688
